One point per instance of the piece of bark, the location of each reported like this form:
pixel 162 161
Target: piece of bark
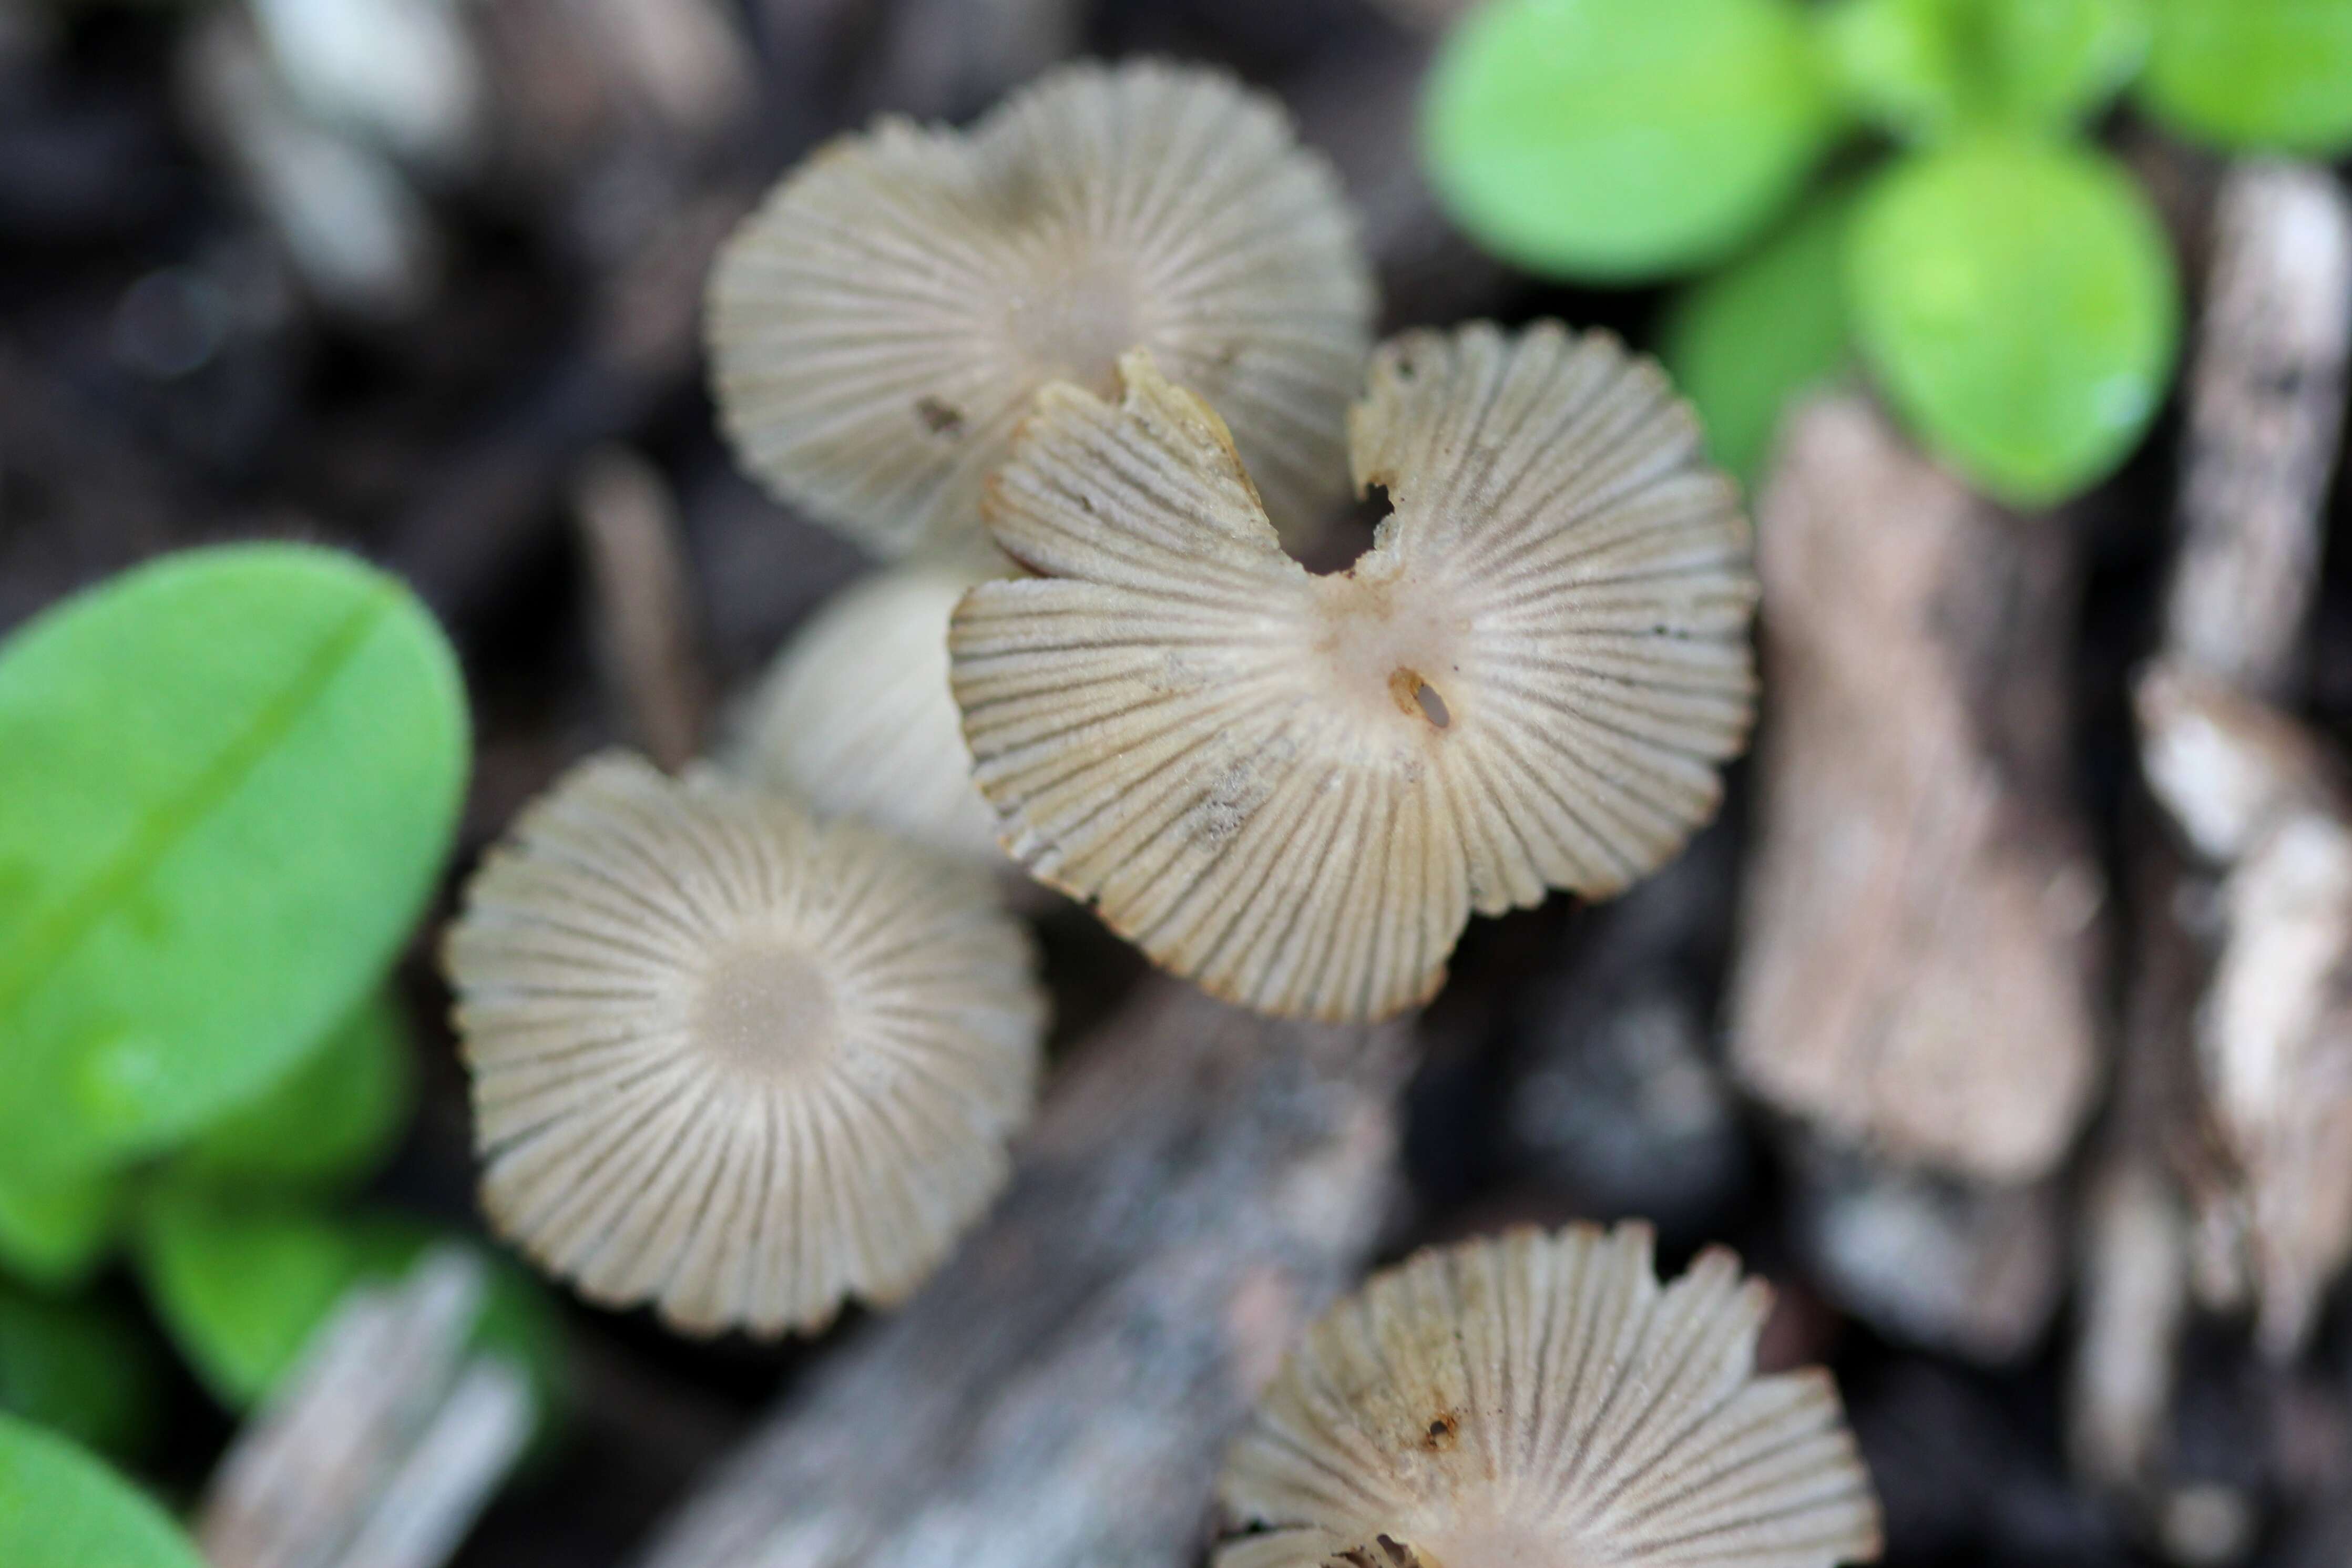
pixel 2132 1300
pixel 1918 936
pixel 386 1441
pixel 2265 411
pixel 1200 1183
pixel 644 609
pixel 2258 795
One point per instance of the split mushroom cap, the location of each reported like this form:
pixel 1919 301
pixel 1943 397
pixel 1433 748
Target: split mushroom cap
pixel 732 1062
pixel 1538 1401
pixel 879 327
pixel 854 717
pixel 1294 788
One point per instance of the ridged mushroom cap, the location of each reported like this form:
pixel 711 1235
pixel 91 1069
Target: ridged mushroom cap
pixel 1537 1401
pixel 854 717
pixel 879 327
pixel 1294 788
pixel 729 1061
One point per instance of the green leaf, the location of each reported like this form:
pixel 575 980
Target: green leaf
pixel 1928 69
pixel 77 1367
pixel 239 1286
pixel 2253 73
pixel 328 1123
pixel 59 1507
pixel 2017 300
pixel 234 773
pixel 1746 343
pixel 55 1230
pixel 1620 139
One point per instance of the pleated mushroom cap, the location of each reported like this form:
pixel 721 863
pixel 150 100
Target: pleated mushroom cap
pixel 1296 788
pixel 729 1061
pixel 880 325
pixel 854 717
pixel 1537 1401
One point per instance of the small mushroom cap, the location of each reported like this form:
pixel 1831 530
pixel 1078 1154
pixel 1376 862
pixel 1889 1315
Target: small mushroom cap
pixel 1536 1401
pixel 1294 788
pixel 854 719
pixel 732 1062
pixel 879 327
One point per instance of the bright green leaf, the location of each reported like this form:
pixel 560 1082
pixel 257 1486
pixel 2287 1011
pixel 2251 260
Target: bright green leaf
pixel 1620 139
pixel 59 1507
pixel 330 1121
pixel 239 1286
pixel 1926 70
pixel 2017 300
pixel 55 1230
pixel 77 1367
pixel 2253 73
pixel 234 773
pixel 1744 344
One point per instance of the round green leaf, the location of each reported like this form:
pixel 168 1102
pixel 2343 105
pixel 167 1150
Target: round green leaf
pixel 2253 73
pixel 1901 64
pixel 1745 343
pixel 1926 70
pixel 330 1122
pixel 77 1367
pixel 61 1508
pixel 2017 300
pixel 2059 61
pixel 55 1230
pixel 1618 141
pixel 236 771
pixel 239 1286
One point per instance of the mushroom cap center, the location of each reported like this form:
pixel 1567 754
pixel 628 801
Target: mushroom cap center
pixel 765 1007
pixel 1072 321
pixel 1494 1543
pixel 1393 655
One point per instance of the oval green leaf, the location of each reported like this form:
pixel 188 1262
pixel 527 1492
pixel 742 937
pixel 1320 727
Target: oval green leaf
pixel 2253 73
pixel 56 1229
pixel 1746 342
pixel 1926 70
pixel 1616 142
pixel 2016 301
pixel 238 770
pixel 77 1368
pixel 328 1123
pixel 59 1507
pixel 239 1286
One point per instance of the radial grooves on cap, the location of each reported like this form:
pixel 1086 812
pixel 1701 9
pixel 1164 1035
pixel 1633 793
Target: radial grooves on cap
pixel 1155 720
pixel 858 322
pixel 1546 1389
pixel 626 1151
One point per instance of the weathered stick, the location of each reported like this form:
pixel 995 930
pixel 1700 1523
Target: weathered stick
pixel 644 600
pixel 1916 949
pixel 1201 1182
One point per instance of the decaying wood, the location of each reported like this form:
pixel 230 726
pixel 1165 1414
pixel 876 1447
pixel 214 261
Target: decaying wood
pixel 1918 937
pixel 384 1444
pixel 2257 796
pixel 2265 411
pixel 644 604
pixel 1201 1182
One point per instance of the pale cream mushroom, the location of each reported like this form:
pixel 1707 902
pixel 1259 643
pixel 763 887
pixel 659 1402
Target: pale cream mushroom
pixel 1534 1401
pixel 879 327
pixel 1294 788
pixel 854 717
pixel 729 1061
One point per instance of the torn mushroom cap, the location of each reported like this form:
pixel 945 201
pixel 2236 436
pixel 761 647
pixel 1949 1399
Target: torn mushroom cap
pixel 854 716
pixel 730 1061
pixel 1294 788
pixel 880 326
pixel 1538 1401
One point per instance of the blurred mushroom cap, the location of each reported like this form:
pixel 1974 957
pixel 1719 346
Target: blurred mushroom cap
pixel 1536 1401
pixel 854 716
pixel 729 1061
pixel 880 326
pixel 1294 788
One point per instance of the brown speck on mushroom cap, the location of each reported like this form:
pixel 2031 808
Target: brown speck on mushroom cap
pixel 732 1062
pixel 1294 788
pixel 1540 1401
pixel 879 327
